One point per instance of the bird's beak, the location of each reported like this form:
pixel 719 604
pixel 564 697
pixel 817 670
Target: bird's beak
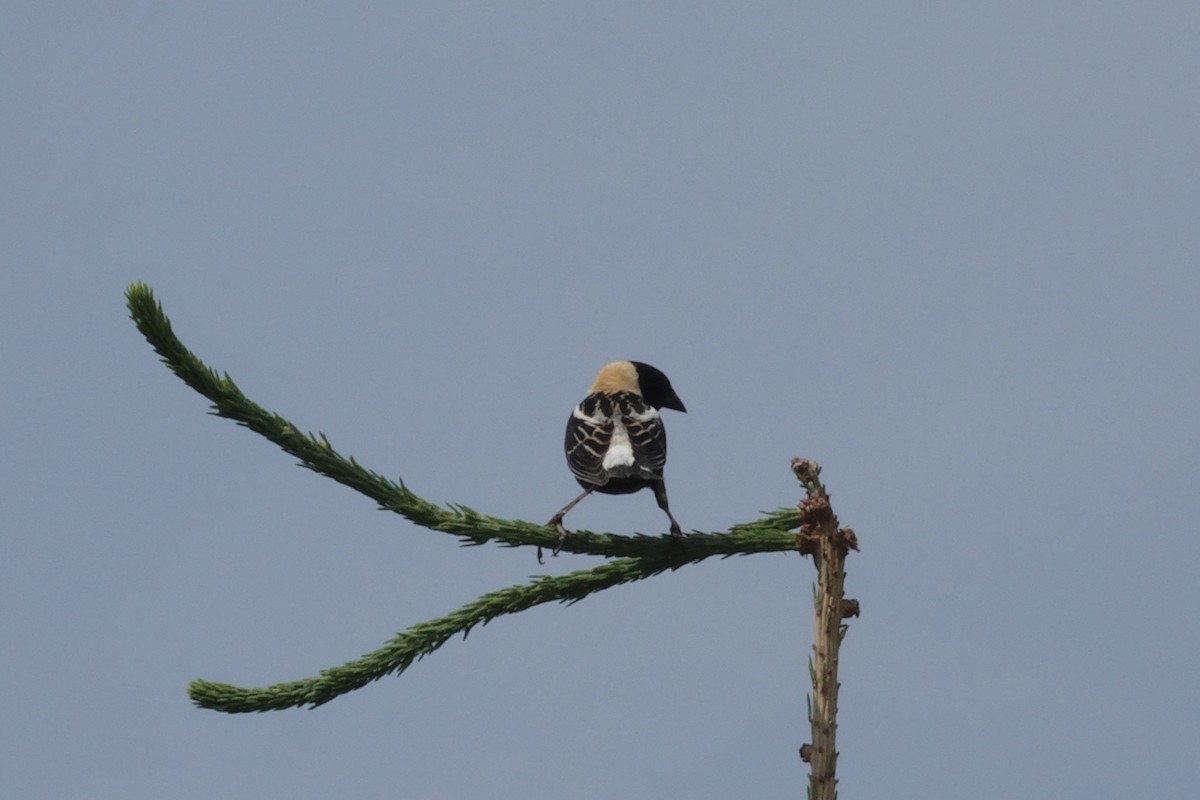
pixel 674 402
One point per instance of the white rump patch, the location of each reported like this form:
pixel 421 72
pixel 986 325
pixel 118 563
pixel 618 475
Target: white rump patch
pixel 620 451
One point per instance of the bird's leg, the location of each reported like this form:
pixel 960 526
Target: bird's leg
pixel 556 521
pixel 660 497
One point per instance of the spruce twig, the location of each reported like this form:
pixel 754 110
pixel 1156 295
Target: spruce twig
pixel 828 544
pixel 640 556
pixel 315 452
pixel 418 641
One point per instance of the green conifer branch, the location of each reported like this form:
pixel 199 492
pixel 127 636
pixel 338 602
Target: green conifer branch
pixel 640 556
pixel 418 641
pixel 316 453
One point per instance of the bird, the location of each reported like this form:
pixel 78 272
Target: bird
pixel 616 442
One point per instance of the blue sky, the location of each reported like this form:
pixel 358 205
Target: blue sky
pixel 948 252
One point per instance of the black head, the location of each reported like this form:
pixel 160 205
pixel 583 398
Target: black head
pixel 656 387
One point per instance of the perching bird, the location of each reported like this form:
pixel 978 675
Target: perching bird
pixel 616 442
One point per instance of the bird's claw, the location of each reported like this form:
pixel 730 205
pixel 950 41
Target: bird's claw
pixel 562 536
pixel 556 523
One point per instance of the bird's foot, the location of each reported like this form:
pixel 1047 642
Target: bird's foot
pixel 556 523
pixel 677 538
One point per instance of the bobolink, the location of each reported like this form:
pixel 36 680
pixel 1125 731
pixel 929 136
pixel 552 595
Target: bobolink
pixel 616 442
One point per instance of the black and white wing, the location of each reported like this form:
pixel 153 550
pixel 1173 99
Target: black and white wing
pixel 589 432
pixel 615 436
pixel 647 438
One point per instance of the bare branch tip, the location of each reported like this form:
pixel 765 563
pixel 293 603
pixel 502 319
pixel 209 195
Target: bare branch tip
pixel 806 471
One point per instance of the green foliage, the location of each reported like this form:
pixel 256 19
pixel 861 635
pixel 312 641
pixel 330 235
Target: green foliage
pixel 638 556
